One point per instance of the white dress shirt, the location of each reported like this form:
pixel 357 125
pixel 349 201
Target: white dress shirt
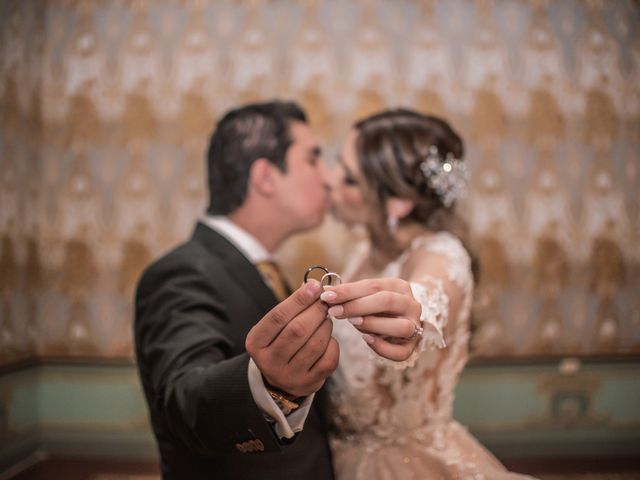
pixel 255 252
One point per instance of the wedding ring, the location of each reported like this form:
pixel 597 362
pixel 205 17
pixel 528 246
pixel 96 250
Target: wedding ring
pixel 419 330
pixel 315 267
pixel 328 277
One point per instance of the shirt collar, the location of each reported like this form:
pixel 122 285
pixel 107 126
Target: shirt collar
pixel 248 245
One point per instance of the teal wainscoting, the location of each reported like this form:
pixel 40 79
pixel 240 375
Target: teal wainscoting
pixel 553 409
pixel 73 409
pixel 547 409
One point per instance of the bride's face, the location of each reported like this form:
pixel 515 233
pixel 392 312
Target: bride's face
pixel 347 199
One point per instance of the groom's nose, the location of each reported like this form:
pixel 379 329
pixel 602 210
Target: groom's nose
pixel 331 177
pixel 326 175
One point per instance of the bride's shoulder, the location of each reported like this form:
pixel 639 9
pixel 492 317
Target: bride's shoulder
pixel 441 242
pixel 442 252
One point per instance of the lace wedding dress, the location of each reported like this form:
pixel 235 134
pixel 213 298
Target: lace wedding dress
pixel 393 420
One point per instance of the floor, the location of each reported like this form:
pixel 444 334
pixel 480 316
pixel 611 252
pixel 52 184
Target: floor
pixel 96 469
pixel 590 476
pixel 90 469
pixel 580 469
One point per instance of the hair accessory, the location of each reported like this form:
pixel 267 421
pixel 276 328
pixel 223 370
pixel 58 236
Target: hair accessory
pixel 448 177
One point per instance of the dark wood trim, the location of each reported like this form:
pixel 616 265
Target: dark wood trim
pixel 570 465
pixel 82 361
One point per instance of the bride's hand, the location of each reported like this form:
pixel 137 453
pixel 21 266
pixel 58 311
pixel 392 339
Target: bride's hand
pixel 383 309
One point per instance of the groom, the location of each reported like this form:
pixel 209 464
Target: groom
pixel 231 361
pixel 217 411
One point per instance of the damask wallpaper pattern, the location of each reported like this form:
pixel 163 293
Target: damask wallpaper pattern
pixel 107 107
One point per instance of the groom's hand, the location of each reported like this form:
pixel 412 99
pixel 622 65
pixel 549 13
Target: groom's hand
pixel 383 309
pixel 292 344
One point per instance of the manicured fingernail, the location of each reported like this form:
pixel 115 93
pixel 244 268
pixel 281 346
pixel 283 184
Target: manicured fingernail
pixel 368 338
pixel 314 287
pixel 356 320
pixel 328 296
pixel 336 310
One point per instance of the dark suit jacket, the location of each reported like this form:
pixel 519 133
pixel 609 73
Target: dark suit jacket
pixel 193 310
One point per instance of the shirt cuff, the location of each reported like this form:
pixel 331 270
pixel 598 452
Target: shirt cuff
pixel 287 426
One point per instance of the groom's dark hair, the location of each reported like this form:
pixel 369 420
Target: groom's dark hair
pixel 244 134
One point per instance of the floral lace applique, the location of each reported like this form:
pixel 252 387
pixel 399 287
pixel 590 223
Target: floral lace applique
pixel 444 243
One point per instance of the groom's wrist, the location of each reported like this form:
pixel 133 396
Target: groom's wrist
pixel 285 401
pixel 285 404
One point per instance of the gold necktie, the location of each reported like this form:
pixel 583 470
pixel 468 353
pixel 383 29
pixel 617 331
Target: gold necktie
pixel 274 279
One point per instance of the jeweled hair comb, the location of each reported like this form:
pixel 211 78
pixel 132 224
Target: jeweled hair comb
pixel 448 177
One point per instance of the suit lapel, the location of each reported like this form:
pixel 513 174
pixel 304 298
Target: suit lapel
pixel 237 266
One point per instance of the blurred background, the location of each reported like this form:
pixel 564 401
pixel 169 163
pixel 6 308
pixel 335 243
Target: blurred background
pixel 106 108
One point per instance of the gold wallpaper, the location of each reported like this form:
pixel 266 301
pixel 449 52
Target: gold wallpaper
pixel 106 108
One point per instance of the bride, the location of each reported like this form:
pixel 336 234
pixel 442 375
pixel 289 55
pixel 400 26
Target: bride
pixel 401 175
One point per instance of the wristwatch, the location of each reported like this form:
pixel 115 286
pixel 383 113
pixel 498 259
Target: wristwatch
pixel 285 403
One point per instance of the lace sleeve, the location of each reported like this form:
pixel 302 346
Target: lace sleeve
pixel 435 306
pixel 441 282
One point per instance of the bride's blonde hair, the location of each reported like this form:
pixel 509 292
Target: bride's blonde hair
pixel 391 146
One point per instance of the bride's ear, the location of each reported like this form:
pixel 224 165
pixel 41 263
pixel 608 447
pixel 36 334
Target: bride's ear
pixel 399 208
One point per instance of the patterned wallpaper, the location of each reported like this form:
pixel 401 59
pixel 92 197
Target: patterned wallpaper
pixel 107 107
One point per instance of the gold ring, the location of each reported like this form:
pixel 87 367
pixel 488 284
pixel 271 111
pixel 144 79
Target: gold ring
pixel 312 268
pixel 419 331
pixel 328 276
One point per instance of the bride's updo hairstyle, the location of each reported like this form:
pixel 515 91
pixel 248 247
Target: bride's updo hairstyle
pixel 392 147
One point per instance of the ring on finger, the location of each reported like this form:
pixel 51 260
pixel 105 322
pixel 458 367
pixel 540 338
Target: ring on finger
pixel 417 332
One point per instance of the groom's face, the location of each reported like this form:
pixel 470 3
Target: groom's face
pixel 302 196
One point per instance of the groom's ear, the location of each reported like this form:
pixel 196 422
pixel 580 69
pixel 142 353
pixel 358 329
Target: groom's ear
pixel 399 207
pixel 261 177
